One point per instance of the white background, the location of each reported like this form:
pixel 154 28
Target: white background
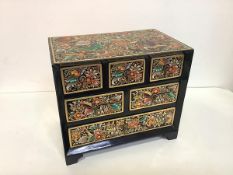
pixel 205 25
pixel 30 138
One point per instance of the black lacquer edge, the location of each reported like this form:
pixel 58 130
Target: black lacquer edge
pixel 188 56
pixel 73 154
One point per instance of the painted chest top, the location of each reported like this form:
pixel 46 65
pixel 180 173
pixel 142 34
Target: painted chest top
pixel 80 48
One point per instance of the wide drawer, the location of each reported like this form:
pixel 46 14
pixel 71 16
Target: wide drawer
pixel 109 129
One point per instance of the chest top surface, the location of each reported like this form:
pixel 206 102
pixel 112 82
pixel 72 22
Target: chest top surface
pixel 71 49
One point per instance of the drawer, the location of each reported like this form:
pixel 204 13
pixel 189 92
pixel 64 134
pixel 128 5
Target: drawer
pixel 109 129
pixel 166 67
pixel 94 106
pixel 153 96
pixel 124 73
pixel 81 78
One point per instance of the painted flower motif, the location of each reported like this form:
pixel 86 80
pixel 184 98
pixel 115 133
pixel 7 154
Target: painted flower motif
pixel 88 111
pixel 78 116
pixel 173 69
pixel 75 73
pixel 99 135
pixel 162 62
pixel 92 73
pixel 134 123
pixel 138 104
pixel 96 100
pixel 155 90
pixel 150 121
pixel 147 100
pixel 88 80
pixel 121 68
pixel 75 136
pixel 95 82
pixel 133 74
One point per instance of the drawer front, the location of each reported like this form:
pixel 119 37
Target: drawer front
pixel 153 96
pixel 166 67
pixel 125 73
pixel 81 78
pixel 105 130
pixel 94 106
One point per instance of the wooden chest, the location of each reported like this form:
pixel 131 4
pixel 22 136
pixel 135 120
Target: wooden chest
pixel 115 88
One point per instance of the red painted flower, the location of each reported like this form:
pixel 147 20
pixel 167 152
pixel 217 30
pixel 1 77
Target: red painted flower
pixel 155 90
pixel 133 123
pixel 99 135
pixel 147 100
pixel 78 116
pixel 173 69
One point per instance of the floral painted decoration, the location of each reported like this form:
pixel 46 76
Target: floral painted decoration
pixel 81 78
pixel 153 96
pixel 166 67
pixel 105 130
pixel 94 106
pixel 126 73
pixel 81 48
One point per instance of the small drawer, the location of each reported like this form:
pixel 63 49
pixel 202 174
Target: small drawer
pixel 109 129
pixel 81 78
pixel 94 106
pixel 153 96
pixel 166 67
pixel 124 73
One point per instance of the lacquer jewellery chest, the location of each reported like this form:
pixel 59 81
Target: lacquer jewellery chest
pixel 115 88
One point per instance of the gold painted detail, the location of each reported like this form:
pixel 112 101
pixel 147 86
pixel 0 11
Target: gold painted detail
pixel 125 73
pixel 94 106
pixel 166 67
pixel 153 96
pixel 105 130
pixel 81 78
